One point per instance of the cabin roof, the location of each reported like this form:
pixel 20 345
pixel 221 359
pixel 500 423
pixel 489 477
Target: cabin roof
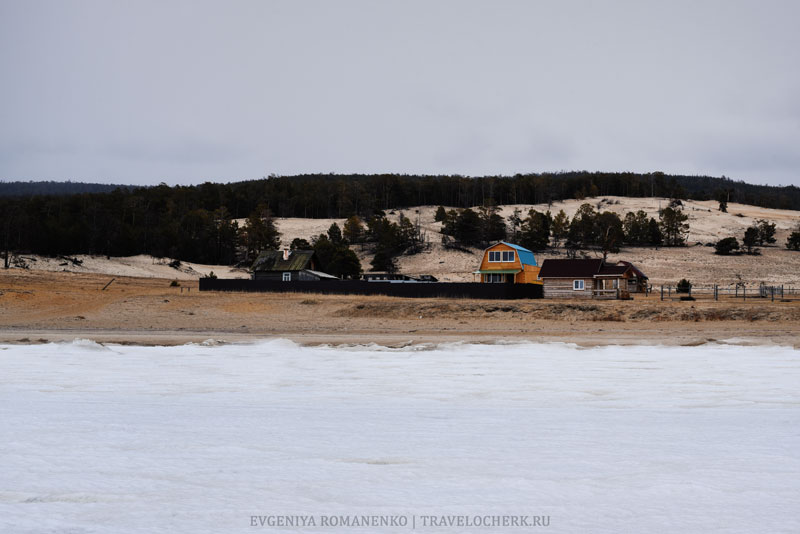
pixel 612 270
pixel 570 268
pixel 272 260
pixel 636 271
pixel 321 274
pixel 586 268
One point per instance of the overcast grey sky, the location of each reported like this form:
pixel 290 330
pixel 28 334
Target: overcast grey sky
pixel 189 91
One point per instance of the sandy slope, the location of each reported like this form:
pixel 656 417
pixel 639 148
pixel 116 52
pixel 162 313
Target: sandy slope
pixel 139 266
pixel 696 262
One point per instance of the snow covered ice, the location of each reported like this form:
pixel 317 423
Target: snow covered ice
pixel 200 438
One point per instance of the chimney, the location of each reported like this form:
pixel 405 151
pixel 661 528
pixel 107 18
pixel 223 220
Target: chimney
pixel 285 254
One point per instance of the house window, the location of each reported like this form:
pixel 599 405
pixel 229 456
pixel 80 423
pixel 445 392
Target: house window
pixel 287 277
pixel 577 285
pixel 496 256
pixel 495 278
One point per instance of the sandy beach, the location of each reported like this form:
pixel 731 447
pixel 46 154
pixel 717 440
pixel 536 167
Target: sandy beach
pixel 40 306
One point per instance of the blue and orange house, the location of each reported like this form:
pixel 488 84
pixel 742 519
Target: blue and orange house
pixel 505 263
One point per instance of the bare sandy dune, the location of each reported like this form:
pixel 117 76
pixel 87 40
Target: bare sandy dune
pixel 141 266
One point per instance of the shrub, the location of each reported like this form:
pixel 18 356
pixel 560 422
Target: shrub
pixel 726 247
pixel 793 243
pixel 684 286
pixel 174 283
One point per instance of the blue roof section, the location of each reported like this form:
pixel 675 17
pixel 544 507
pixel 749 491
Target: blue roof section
pixel 526 257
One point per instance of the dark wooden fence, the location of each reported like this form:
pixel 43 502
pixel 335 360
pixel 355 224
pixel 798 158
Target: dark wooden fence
pixel 360 287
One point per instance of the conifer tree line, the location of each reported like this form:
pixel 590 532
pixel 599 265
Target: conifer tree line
pixel 195 223
pixel 589 228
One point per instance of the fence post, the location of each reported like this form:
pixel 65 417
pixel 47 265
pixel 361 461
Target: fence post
pixel 716 294
pixel 744 293
pixel 772 290
pixel 669 290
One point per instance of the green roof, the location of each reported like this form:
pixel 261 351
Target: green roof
pixel 272 260
pixel 500 271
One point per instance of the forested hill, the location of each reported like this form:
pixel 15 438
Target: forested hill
pixel 340 195
pixel 336 195
pixel 22 189
pixel 188 222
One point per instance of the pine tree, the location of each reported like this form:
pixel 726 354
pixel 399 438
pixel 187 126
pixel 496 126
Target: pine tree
pixel 654 235
pixel 353 230
pixel 535 231
pixel 560 228
pixel 750 240
pixel 344 263
pixel 766 232
pixel 636 228
pixel 674 226
pixel 468 228
pixel 493 226
pixel 582 228
pixel 259 232
pixel 299 243
pixel 723 196
pixel 383 261
pixel 335 234
pixel 609 232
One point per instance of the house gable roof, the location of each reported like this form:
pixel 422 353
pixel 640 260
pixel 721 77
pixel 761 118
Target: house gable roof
pixel 526 257
pixel 636 271
pixel 272 260
pixel 570 268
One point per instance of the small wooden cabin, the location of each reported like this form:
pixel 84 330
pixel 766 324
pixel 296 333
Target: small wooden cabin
pixel 288 266
pixel 506 263
pixel 637 283
pixel 592 278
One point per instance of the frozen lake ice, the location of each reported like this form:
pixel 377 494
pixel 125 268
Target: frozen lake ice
pixel 202 438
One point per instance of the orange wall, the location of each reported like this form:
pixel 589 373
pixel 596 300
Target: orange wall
pixel 486 265
pixel 529 274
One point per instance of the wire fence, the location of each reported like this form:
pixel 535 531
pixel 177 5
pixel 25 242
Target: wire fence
pixel 740 291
